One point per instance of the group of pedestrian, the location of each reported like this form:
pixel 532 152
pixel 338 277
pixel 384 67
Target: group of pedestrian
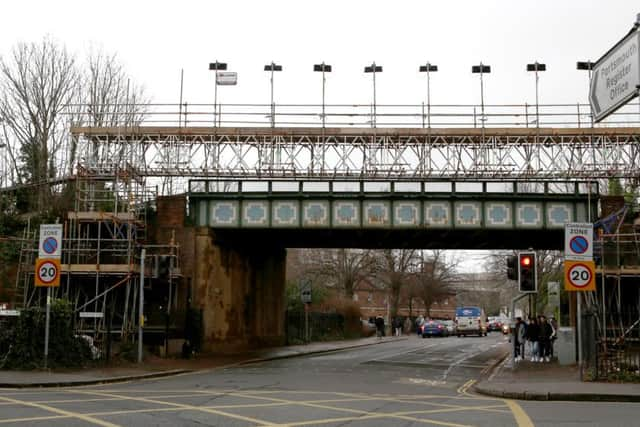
pixel 538 335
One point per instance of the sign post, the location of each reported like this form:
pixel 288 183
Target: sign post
pixel 616 77
pixel 305 296
pixel 579 268
pixel 47 270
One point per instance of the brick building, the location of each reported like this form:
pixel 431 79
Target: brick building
pixel 373 301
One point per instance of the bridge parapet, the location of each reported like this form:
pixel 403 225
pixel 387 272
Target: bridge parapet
pixel 389 205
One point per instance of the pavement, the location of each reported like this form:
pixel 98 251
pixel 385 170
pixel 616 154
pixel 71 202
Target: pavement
pixel 524 380
pixel 155 367
pixel 528 380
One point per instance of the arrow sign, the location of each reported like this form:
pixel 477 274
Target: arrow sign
pixel 615 77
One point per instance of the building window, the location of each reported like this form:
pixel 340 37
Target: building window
pixel 446 301
pixel 370 297
pixel 355 297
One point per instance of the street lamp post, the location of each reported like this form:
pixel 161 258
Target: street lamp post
pixel 586 66
pixel 481 69
pixel 536 67
pixel 272 67
pixel 428 68
pixel 216 66
pixel 323 68
pixel 373 68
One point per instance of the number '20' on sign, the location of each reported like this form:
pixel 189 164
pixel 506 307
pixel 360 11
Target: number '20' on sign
pixel 47 272
pixel 579 275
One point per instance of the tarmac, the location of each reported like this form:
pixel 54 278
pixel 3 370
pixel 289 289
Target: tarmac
pixel 522 381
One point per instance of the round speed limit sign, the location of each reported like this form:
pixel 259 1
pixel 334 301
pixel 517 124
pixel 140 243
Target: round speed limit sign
pixel 47 272
pixel 579 275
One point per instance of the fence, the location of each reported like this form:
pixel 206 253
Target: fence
pixel 322 327
pixel 619 364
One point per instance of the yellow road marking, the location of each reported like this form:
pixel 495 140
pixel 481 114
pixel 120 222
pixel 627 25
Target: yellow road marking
pixel 26 420
pixel 60 411
pixel 401 415
pixel 177 405
pixel 519 414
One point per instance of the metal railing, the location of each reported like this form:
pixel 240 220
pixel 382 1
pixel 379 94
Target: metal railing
pixel 362 115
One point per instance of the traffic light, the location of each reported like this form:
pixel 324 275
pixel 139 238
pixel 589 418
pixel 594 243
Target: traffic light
pixel 527 276
pixel 512 267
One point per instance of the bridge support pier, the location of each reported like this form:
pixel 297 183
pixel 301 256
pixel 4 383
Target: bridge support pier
pixel 240 290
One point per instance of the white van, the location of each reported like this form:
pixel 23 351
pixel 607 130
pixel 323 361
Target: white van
pixel 470 321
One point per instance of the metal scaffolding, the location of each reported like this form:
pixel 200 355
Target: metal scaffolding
pixel 102 241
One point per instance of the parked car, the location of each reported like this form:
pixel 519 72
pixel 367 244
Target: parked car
pixel 451 326
pixel 495 324
pixel 434 328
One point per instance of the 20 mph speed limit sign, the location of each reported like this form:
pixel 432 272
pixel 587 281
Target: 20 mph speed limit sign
pixel 47 272
pixel 579 276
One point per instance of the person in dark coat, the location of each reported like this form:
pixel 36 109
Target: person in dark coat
pixel 544 334
pixel 379 327
pixel 533 333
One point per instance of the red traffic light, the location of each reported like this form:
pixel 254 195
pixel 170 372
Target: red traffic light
pixel 525 261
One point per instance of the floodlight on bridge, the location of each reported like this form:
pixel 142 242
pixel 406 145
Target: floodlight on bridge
pixel 536 67
pixel 586 66
pixel 322 68
pixel 481 69
pixel 428 68
pixel 373 69
pixel 216 66
pixel 273 67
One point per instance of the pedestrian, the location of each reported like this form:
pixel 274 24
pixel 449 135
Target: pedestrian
pixel 379 327
pixel 407 325
pixel 519 334
pixel 419 323
pixel 554 335
pixel 397 326
pixel 545 332
pixel 533 332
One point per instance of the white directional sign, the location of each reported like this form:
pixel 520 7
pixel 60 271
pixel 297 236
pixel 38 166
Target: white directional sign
pixel 578 241
pixel 226 78
pixel 615 77
pixel 50 241
pixel 91 315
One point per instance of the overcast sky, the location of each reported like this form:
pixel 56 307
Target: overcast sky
pixel 156 39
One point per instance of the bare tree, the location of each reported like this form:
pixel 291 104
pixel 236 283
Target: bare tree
pixel 394 267
pixel 107 97
pixel 435 278
pixel 37 81
pixel 343 269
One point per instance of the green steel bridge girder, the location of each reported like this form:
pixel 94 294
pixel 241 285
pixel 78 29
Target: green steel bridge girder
pixel 393 219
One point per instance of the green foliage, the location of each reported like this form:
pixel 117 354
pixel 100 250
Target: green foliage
pixel 294 303
pixel 615 187
pixel 22 347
